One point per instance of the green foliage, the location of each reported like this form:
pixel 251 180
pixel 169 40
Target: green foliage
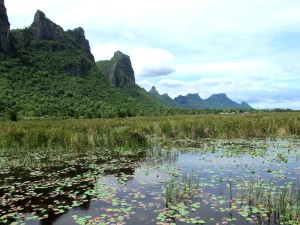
pixel 13 115
pixel 165 98
pixel 43 78
pixel 136 133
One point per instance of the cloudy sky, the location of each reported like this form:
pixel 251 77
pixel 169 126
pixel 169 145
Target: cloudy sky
pixel 248 49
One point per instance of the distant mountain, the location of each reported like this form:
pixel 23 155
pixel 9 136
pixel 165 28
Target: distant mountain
pixel 245 106
pixel 165 98
pixel 216 101
pixel 191 101
pixel 221 101
pixel 194 101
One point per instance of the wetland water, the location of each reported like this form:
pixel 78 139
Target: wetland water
pixel 205 182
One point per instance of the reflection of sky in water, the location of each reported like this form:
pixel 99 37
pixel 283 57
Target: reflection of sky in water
pixel 213 169
pixel 210 160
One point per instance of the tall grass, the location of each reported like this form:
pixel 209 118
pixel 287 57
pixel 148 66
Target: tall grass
pixel 279 203
pixel 181 187
pixel 136 133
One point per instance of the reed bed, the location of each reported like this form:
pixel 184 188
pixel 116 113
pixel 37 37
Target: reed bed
pixel 279 203
pixel 136 133
pixel 181 187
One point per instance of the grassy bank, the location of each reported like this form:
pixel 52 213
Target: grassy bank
pixel 136 133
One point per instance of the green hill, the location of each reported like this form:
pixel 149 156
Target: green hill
pixel 221 101
pixel 164 98
pixel 193 101
pixel 47 71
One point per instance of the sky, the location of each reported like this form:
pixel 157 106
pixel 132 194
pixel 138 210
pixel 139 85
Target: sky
pixel 248 49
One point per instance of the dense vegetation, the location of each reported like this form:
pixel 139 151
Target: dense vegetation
pixel 38 80
pixel 112 134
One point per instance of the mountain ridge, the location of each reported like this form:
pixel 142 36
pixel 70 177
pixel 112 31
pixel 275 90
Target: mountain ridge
pixel 164 98
pixel 118 69
pixel 51 72
pixel 48 72
pixel 215 101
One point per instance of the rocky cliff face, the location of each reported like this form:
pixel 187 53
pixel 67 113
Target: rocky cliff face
pixel 189 99
pixel 119 70
pixel 153 91
pixel 218 97
pixel 81 41
pixel 43 28
pixel 165 98
pixel 4 29
pixel 71 42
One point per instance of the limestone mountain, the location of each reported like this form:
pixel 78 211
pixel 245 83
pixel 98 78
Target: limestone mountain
pixel 192 101
pixel 153 91
pixel 46 42
pixel 164 98
pixel 245 106
pixel 119 70
pixel 81 41
pixel 44 28
pixel 215 101
pixel 52 72
pixel 221 101
pixel 46 71
pixel 4 29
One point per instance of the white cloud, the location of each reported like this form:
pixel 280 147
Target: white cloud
pixel 147 85
pixel 129 35
pixel 258 77
pixel 213 81
pixel 151 62
pixel 225 68
pixel 146 62
pixel 171 83
pixel 281 85
pixel 104 51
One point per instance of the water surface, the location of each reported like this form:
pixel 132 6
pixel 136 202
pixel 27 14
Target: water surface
pixel 218 179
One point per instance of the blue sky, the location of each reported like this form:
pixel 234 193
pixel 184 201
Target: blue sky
pixel 248 49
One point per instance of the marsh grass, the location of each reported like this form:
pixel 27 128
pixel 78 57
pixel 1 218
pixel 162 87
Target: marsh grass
pixel 279 203
pixel 135 134
pixel 181 187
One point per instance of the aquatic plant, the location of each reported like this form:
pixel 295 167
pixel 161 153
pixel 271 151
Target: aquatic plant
pixel 270 201
pixel 180 187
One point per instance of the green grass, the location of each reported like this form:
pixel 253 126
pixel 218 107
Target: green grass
pixel 277 202
pixel 133 134
pixel 180 187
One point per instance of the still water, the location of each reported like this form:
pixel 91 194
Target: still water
pixel 206 182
